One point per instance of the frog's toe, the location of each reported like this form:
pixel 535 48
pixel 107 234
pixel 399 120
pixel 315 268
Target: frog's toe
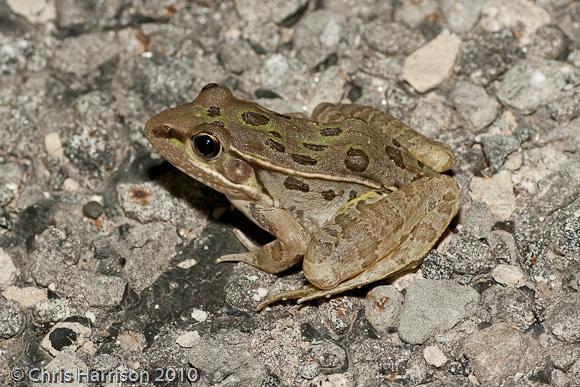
pixel 288 295
pixel 248 258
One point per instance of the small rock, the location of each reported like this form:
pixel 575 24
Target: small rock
pixel 391 38
pixel 231 52
pixel 8 271
pixel 522 16
pixel 534 83
pixel 199 315
pixel 564 109
pixel 461 15
pixel 549 42
pixel 433 307
pixel 436 266
pixel 509 275
pixel 469 255
pixel 574 58
pixel 498 148
pixel 382 307
pixel 12 320
pixel 474 105
pixel 328 357
pixel 70 185
pixel 93 209
pixel 148 249
pixel 432 115
pixel 413 13
pixel 317 37
pixel 36 11
pixel 67 363
pixel 510 304
pixel 433 63
pixel 26 297
pixel 562 319
pixel 434 355
pixel 339 315
pixel 478 220
pixel 188 339
pixel 131 342
pixel 69 335
pixel 496 192
pixel 90 51
pixel 487 55
pixel 53 145
pixel 309 371
pixel 500 352
pixel 330 88
pixel 188 263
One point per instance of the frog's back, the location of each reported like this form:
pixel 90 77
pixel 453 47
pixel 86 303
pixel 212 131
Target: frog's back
pixel 349 150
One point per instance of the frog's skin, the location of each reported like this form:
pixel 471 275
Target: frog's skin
pixel 354 194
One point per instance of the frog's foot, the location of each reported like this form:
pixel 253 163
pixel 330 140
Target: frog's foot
pixel 245 241
pixel 381 270
pixel 288 295
pixel 272 258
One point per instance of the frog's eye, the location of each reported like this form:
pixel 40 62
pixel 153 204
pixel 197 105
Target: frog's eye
pixel 206 145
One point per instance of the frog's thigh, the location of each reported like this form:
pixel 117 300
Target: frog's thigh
pixel 370 249
pixel 430 152
pixel 277 256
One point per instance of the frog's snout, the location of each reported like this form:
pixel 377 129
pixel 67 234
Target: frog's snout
pixel 173 123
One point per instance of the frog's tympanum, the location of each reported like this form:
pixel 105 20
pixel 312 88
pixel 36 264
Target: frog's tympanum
pixel 352 193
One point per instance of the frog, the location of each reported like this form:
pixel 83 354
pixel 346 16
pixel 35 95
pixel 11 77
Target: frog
pixel 351 192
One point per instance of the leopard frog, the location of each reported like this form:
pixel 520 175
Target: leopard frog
pixel 352 193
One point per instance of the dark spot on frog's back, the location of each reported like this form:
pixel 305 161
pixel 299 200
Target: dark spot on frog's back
pixel 331 131
pixel 314 147
pixel 293 183
pixel 395 155
pixel 328 195
pixel 397 143
pixel 255 119
pixel 213 111
pixel 303 159
pixel 275 134
pixel 356 160
pixel 275 145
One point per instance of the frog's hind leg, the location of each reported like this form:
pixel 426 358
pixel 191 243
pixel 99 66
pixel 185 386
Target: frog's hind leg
pixel 438 201
pixel 430 152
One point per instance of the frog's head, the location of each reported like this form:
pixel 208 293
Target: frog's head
pixel 195 138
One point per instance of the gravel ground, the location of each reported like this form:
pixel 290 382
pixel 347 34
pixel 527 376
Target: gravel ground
pixel 107 251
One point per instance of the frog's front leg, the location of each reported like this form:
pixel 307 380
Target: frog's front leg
pixel 376 237
pixel 286 251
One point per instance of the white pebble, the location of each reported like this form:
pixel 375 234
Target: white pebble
pixel 199 315
pixel 509 275
pixel 434 356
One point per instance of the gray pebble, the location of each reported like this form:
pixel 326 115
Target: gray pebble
pixel 498 148
pixel 382 307
pixel 474 105
pixel 433 307
pixel 500 352
pixel 93 209
pixel 534 83
pixel 12 320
